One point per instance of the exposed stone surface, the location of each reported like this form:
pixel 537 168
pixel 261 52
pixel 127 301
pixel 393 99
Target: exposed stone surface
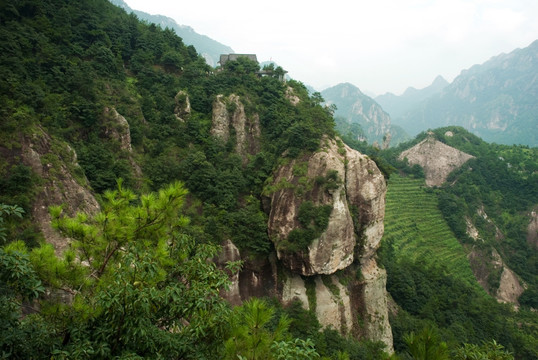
pixel 359 191
pixel 532 229
pixel 229 115
pixel 376 320
pixel 117 128
pixel 436 158
pixel 294 289
pixel 290 95
pixel 366 189
pixel 471 230
pixel 182 109
pixel 510 288
pixel 55 162
pixel 230 253
pixel 333 309
pixel 498 233
pixel 487 263
pixel 360 184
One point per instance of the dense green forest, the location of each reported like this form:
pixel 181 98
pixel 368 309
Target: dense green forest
pixel 135 282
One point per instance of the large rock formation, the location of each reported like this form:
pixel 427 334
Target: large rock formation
pixel 532 229
pixel 436 158
pixel 182 110
pixel 55 163
pixel 342 178
pixel 354 300
pixel 229 117
pixel 117 128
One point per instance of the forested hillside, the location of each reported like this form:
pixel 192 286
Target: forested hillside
pixel 477 223
pixel 210 49
pixel 140 188
pixel 89 96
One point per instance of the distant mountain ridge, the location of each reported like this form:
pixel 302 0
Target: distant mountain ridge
pixel 398 105
pixel 357 108
pixel 210 49
pixel 496 100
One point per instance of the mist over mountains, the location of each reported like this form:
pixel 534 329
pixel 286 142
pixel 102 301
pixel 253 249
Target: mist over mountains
pixel 496 100
pixel 398 105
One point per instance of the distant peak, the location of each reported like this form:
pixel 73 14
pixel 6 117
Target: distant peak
pixel 439 80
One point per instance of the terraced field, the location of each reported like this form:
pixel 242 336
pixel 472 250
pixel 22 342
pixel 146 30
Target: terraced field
pixel 415 229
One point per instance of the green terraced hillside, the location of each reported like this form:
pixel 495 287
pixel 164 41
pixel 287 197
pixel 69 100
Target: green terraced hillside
pixel 415 229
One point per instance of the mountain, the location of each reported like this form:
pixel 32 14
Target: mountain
pixel 397 105
pixel 210 49
pixel 357 108
pixel 151 207
pixel 495 100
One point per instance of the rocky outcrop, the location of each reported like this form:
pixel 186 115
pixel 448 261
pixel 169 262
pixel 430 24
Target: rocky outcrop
pixel 375 300
pixel 55 163
pixel 290 95
pixel 229 117
pixel 354 188
pixel 294 289
pixel 510 289
pixel 333 304
pixel 230 253
pixel 436 158
pixel 341 178
pixel 471 230
pixel 351 186
pixel 182 110
pixel 117 128
pixel 495 276
pixel 532 229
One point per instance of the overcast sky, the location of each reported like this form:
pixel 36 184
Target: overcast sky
pixel 378 45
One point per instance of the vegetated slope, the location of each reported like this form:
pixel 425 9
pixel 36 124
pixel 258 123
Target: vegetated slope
pixel 495 100
pixel 398 105
pixel 431 282
pixel 416 230
pixel 487 204
pixel 210 49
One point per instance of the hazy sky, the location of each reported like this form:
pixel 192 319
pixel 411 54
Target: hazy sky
pixel 377 45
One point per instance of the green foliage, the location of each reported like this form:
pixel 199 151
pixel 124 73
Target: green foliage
pixel 487 351
pixel 146 288
pixel 415 229
pixel 252 338
pixel 18 279
pixel 8 210
pixel 314 220
pixel 249 228
pixel 426 345
pixel 19 284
